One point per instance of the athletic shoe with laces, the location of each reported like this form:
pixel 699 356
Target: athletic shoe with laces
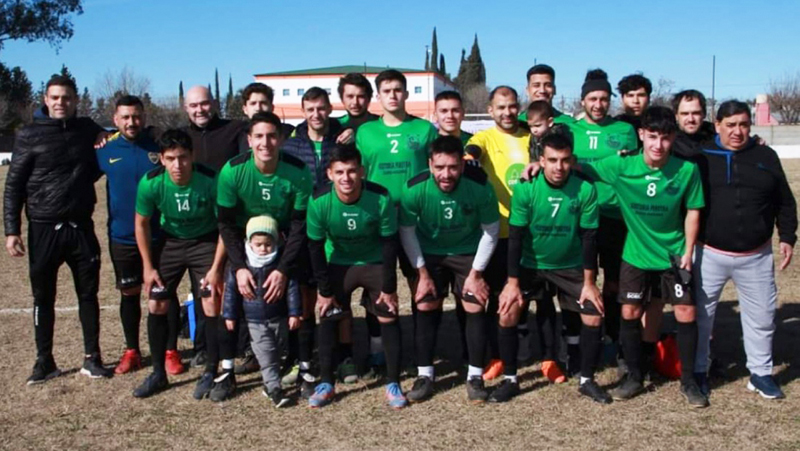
pixel 629 388
pixel 93 367
pixel 505 391
pixel 493 370
pixel 152 384
pixel 249 365
pixel 765 386
pixel 204 385
pixel 290 378
pixel 348 373
pixel 395 397
pixel 172 363
pixel 199 360
pixel 131 360
pixel 693 395
pixel 552 372
pixel 43 370
pixel 421 390
pixel 224 387
pixel 322 396
pixel 276 396
pixel 476 391
pixel 594 392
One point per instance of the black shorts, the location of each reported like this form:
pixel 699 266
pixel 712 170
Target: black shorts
pixel 610 241
pixel 345 279
pixel 127 264
pixel 302 268
pixel 638 286
pixel 447 271
pixel 176 256
pixel 568 284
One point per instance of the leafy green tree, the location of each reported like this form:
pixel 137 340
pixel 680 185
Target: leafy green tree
pixel 34 20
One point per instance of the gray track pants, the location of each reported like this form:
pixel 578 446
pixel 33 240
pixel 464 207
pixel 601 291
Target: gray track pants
pixel 265 337
pixel 754 277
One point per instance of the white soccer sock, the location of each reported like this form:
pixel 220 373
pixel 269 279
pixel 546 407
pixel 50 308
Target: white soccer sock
pixel 474 371
pixel 511 378
pixel 304 366
pixel 425 371
pixel 227 364
pixel 585 380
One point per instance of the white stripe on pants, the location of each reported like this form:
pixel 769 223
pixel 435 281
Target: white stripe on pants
pixel 754 277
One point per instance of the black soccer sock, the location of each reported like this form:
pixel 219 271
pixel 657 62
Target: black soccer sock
pixel 509 346
pixel 390 333
pixel 546 327
pixel 590 347
pixel 687 349
pixel 612 310
pixel 174 320
pixel 425 337
pixel 648 355
pixel 571 328
pixel 328 338
pixel 212 344
pixel 493 334
pixel 630 337
pixel 373 325
pixel 476 338
pixel 344 351
pixel 157 330
pixel 305 340
pixel 292 345
pixel 461 316
pixel 130 312
pixel 89 313
pixel 227 340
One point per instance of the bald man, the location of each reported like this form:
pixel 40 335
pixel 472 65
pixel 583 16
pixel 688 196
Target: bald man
pixel 215 140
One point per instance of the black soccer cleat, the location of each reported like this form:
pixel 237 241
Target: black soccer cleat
pixel 476 390
pixel 43 370
pixel 93 367
pixel 151 385
pixel 224 387
pixel 629 388
pixel 594 392
pixel 505 391
pixel 421 390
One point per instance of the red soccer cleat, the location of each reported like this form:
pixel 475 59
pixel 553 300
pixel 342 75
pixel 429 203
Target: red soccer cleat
pixel 172 363
pixel 493 370
pixel 130 361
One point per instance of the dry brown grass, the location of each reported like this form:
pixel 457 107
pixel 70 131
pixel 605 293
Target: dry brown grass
pixel 74 412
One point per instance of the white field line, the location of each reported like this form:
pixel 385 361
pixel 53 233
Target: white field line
pixel 29 311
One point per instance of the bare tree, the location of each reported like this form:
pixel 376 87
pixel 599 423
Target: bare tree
pixel 662 92
pixel 476 99
pixel 166 113
pixel 126 81
pixel 784 98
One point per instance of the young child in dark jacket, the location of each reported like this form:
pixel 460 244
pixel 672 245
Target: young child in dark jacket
pixel 267 322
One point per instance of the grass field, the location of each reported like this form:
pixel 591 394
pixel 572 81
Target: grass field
pixel 73 412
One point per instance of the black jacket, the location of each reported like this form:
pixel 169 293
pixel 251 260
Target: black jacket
pixel 747 195
pixel 218 142
pixel 300 146
pixel 53 170
pixel 690 146
pixel 257 310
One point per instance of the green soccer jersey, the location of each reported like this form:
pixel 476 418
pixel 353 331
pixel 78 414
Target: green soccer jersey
pixel 558 117
pixel 553 217
pixel 652 202
pixel 318 149
pixel 465 136
pixel 242 186
pixel 449 223
pixel 392 155
pixel 187 211
pixel 352 231
pixel 594 142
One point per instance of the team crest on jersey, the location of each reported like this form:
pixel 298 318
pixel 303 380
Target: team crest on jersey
pixel 574 206
pixel 613 141
pixel 153 156
pixel 413 143
pixel 672 188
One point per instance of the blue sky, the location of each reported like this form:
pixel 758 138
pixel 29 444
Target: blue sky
pixel 170 41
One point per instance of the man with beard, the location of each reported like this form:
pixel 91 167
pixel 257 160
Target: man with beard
pixel 124 161
pixel 598 136
pixel 690 112
pixel 355 92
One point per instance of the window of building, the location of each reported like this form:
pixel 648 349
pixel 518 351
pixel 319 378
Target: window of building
pixel 417 89
pixel 286 93
pixel 301 91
